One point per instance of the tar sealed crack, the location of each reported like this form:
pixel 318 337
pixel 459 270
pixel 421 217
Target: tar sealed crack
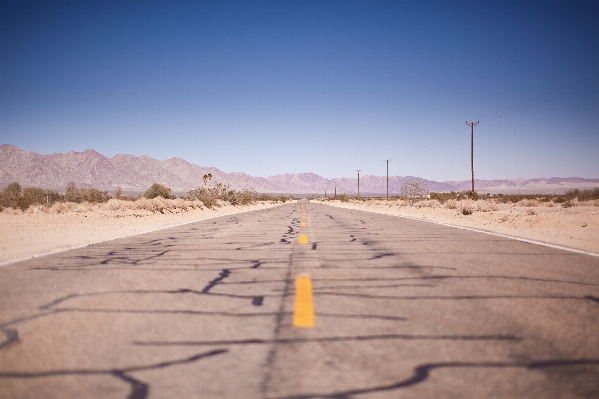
pixel 224 274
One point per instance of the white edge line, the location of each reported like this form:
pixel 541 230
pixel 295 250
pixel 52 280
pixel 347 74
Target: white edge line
pixel 542 243
pixel 168 226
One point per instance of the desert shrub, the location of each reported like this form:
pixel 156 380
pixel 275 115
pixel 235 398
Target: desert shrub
pixel 10 195
pixel 243 197
pixel 451 204
pixel 486 206
pixel 158 190
pixel 114 204
pixel 412 190
pixel 23 203
pixel 467 209
pixel 35 195
pixel 570 203
pixel 342 198
pixel 433 203
pixel 583 195
pixel 62 207
pixel 154 205
pixel 529 202
pixel 206 195
pixel 118 194
pixel 13 190
pixel 79 195
pixel 1 208
pixel 531 212
pixel 15 197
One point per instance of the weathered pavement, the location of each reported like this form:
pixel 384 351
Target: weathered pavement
pixel 403 309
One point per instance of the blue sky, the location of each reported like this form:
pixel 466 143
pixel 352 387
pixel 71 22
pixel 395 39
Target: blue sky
pixel 309 86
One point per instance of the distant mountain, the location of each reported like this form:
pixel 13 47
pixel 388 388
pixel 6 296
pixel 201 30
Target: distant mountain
pixel 92 169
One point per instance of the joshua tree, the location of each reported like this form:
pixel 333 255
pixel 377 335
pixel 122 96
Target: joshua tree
pixel 207 178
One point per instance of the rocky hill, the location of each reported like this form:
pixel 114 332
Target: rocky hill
pixel 136 173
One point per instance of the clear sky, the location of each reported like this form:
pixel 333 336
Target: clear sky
pixel 309 86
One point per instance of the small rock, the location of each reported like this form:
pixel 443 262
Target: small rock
pixel 584 225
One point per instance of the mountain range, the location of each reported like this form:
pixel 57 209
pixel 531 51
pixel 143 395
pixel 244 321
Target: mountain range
pixel 136 173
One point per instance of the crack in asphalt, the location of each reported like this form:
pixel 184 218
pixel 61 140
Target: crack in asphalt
pixel 139 389
pixel 333 250
pixel 224 274
pixel 422 372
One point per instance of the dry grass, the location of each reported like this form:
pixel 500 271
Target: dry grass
pixel 528 202
pixel 428 204
pixel 119 208
pixel 468 206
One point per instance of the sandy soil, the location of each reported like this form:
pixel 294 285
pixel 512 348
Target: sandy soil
pixel 576 227
pixel 33 233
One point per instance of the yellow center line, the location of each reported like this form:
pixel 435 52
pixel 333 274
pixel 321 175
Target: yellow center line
pixel 303 239
pixel 302 223
pixel 303 311
pixel 303 216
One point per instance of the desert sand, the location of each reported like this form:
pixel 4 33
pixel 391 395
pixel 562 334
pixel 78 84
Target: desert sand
pixel 576 227
pixel 39 231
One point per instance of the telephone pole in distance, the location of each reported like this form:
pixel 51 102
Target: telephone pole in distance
pixel 472 124
pixel 387 160
pixel 358 170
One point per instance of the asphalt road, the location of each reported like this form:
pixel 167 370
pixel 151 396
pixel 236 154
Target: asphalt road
pixel 403 309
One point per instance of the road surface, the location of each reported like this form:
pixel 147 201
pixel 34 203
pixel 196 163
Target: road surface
pixel 402 309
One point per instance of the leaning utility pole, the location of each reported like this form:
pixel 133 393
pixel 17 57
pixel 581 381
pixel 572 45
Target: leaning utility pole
pixel 472 124
pixel 358 170
pixel 387 160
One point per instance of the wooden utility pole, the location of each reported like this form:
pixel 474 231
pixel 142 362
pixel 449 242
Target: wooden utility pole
pixel 472 124
pixel 358 170
pixel 387 160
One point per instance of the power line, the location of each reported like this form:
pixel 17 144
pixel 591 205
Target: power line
pixel 539 103
pixel 484 117
pixel 502 112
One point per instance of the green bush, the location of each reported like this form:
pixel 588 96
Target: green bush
pixel 23 203
pixel 210 196
pixel 79 195
pixel 158 190
pixel 35 195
